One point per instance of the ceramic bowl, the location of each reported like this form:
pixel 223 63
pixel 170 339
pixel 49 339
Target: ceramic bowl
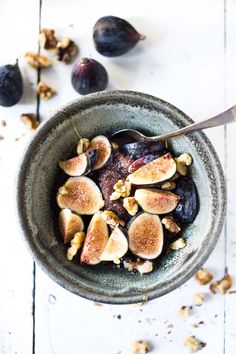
pixel 38 181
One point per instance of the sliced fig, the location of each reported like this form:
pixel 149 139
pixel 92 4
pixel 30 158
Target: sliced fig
pixel 142 148
pixel 70 224
pixel 187 208
pixel 158 170
pixel 104 149
pixel 95 240
pixel 81 164
pixel 146 236
pixel 143 161
pixel 81 195
pixel 156 201
pixel 116 247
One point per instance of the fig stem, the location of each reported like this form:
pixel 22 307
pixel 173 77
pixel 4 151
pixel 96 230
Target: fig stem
pixel 142 37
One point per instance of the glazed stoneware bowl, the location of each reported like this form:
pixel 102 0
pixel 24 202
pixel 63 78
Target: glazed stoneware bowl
pixel 39 179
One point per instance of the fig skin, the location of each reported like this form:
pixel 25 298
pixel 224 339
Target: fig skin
pixel 95 240
pixel 104 151
pixel 188 206
pixel 146 236
pixel 79 165
pixel 89 76
pixel 114 36
pixel 139 149
pixel 11 85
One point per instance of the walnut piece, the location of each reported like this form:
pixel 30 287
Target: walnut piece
pixel 170 224
pixel 83 145
pixel 44 90
pixel 47 39
pixel 178 244
pixel 145 267
pixel 198 299
pixel 222 285
pixel 122 189
pixel 130 204
pixel 203 276
pixel 194 344
pixel 112 219
pixel 37 60
pixel 75 243
pixel 182 162
pixel 66 50
pixel 184 311
pixel 30 120
pixel 168 186
pixel 140 347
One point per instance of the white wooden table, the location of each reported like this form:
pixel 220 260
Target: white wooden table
pixel 188 59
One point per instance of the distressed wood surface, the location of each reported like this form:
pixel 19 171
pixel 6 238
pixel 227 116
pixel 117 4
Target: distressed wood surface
pixel 188 58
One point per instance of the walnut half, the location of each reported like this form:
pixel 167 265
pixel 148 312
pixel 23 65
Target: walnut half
pixel 66 50
pixel 47 39
pixel 44 90
pixel 37 60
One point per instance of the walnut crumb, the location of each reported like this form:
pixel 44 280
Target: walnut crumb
pixel 47 39
pixel 30 120
pixel 3 123
pixel 1 137
pixel 75 245
pixel 170 224
pixel 184 311
pixel 137 265
pixel 182 162
pixel 178 244
pixel 203 276
pixel 140 347
pixel 168 186
pixel 112 219
pixel 222 285
pixel 130 204
pixel 66 50
pixel 122 189
pixel 45 91
pixel 194 344
pixel 198 299
pixel 37 60
pixel 145 267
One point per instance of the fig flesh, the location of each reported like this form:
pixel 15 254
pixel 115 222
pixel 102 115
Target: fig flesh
pixel 156 201
pixel 116 247
pixel 142 148
pixel 80 194
pixel 114 36
pixel 187 208
pixel 158 170
pixel 11 85
pixel 104 150
pixel 146 236
pixel 80 165
pixel 95 240
pixel 88 76
pixel 143 161
pixel 70 224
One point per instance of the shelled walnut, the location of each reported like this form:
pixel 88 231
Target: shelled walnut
pixel 37 60
pixel 141 347
pixel 203 276
pixel 30 120
pixel 47 39
pixel 66 50
pixel 170 224
pixel 44 90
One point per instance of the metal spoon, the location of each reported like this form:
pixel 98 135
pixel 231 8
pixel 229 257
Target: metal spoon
pixel 226 117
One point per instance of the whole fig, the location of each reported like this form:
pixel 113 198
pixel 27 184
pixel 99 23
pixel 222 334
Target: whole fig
pixel 11 85
pixel 114 36
pixel 88 76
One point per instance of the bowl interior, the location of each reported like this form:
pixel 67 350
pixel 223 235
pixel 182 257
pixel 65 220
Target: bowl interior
pixel 40 177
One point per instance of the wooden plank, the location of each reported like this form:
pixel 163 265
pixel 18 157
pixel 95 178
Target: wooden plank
pixel 182 61
pixel 230 320
pixel 18 35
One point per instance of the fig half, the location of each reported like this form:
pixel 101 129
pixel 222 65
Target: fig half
pixel 95 240
pixel 156 201
pixel 70 224
pixel 116 247
pixel 81 195
pixel 146 236
pixel 104 149
pixel 79 165
pixel 158 170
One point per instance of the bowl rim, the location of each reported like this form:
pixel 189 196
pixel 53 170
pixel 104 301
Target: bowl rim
pixel 45 263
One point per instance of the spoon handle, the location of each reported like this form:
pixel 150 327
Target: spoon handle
pixel 223 118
